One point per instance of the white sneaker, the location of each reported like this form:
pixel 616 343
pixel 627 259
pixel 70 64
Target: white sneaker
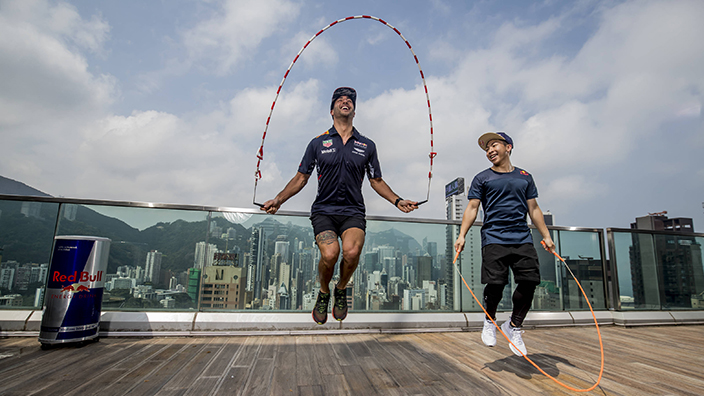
pixel 514 334
pixel 489 333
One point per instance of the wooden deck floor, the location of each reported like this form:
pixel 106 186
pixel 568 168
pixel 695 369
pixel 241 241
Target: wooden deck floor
pixel 667 360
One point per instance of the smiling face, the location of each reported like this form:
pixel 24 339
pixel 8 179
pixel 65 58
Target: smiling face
pixel 497 151
pixel 343 107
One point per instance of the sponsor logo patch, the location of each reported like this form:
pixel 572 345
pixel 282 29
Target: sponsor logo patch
pixel 524 173
pixel 358 143
pixel 328 151
pixel 327 143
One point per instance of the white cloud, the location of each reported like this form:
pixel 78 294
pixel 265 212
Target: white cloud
pixel 41 74
pixel 318 52
pixel 46 88
pixel 235 30
pixel 574 188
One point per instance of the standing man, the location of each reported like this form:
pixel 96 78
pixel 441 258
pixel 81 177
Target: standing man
pixel 506 193
pixel 341 157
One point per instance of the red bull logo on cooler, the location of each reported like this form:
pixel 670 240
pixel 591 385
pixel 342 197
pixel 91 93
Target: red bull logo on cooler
pixel 84 277
pixel 75 288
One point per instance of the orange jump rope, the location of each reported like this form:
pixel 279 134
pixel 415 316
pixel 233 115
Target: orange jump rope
pixel 601 344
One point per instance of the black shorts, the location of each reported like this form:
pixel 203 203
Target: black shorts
pixel 522 259
pixel 337 224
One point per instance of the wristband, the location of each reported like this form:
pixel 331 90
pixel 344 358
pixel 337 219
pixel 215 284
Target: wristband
pixel 399 199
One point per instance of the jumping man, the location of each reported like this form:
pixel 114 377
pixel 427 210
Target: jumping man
pixel 341 157
pixel 506 193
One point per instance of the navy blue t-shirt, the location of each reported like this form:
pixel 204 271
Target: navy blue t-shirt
pixel 504 197
pixel 341 169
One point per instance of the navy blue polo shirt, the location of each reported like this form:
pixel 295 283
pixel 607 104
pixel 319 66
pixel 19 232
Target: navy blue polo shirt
pixel 341 169
pixel 504 197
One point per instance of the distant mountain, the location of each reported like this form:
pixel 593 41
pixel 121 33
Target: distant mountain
pixel 9 186
pixel 393 237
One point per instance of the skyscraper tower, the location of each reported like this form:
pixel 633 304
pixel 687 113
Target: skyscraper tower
pixel 469 262
pixel 257 263
pixel 455 203
pixel 153 267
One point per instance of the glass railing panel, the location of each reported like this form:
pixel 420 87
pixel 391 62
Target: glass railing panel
pixel 26 240
pixel 549 293
pixel 151 252
pixel 636 264
pixel 679 258
pixel 581 250
pixel 260 262
pixel 404 267
pixel 274 266
pixel 658 270
pixel 470 264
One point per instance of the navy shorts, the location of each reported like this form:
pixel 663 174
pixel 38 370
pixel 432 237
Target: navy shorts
pixel 522 259
pixel 337 224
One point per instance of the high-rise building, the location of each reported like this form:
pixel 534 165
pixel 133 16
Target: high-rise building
pixel 660 222
pixel 22 276
pixel 284 278
pixel 39 297
pixel 152 267
pixel 469 262
pixel 7 278
pixel 204 255
pixel 673 259
pixel 194 283
pixel 455 204
pixel 424 269
pixel 223 287
pixel 282 247
pixel 70 211
pixel 258 262
pixel 31 209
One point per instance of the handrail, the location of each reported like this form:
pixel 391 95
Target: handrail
pixel 161 205
pixel 665 232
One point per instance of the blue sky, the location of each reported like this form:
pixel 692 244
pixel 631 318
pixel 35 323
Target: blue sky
pixel 167 101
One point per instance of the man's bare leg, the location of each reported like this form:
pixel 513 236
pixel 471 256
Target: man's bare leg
pixel 329 252
pixel 352 244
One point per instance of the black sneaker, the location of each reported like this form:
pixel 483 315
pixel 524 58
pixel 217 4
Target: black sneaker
pixel 339 308
pixel 320 311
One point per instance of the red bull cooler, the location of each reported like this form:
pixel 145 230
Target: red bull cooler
pixel 74 291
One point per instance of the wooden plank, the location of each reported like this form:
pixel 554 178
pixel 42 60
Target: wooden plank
pixel 260 377
pixel 54 363
pixel 97 365
pixel 283 381
pixel 306 365
pixel 233 381
pixel 180 383
pixel 223 358
pixel 240 367
pixel 142 369
pixel 163 373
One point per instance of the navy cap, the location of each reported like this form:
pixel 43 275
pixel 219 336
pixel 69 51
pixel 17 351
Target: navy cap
pixel 344 91
pixel 489 136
